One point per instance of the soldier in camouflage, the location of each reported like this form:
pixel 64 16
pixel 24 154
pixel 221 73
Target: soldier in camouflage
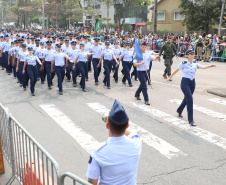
pixel 170 51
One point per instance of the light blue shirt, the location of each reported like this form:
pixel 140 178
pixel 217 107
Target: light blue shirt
pixel 6 46
pixel 11 51
pixel 147 58
pixel 22 56
pixel 88 46
pixel 82 56
pixel 107 54
pixel 40 53
pixel 73 54
pixel 31 60
pixel 59 58
pixel 48 55
pixel 127 55
pixel 97 51
pixel 117 52
pixel 66 49
pixel 116 161
pixel 189 69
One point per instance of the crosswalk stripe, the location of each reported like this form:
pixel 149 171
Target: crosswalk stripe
pixel 204 134
pixel 217 100
pixel 204 111
pixel 159 144
pixel 87 141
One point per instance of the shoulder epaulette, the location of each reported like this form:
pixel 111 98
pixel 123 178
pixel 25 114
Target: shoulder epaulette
pixel 185 62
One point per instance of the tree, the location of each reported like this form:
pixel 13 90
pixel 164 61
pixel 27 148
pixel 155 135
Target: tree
pixel 201 14
pixel 127 27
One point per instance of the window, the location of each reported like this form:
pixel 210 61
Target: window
pixel 161 16
pixel 178 16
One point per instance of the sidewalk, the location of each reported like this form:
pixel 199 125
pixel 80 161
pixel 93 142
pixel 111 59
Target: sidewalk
pixel 218 91
pixel 4 177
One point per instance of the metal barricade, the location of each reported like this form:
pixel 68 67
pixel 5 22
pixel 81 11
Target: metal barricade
pixel 72 178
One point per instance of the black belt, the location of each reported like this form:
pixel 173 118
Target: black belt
pixel 60 66
pixel 31 65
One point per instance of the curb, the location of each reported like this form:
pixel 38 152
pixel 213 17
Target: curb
pixel 217 92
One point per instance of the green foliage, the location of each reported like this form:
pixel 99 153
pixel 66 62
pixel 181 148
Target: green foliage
pixel 127 27
pixel 102 26
pixel 111 25
pixel 202 14
pixel 35 19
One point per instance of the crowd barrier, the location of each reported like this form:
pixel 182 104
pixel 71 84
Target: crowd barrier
pixel 31 164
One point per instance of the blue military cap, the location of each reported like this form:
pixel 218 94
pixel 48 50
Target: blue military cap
pixel 12 43
pixel 190 51
pixel 30 48
pixel 96 39
pixel 52 34
pixel 61 38
pixel 144 44
pixel 58 45
pixel 85 37
pixel 106 37
pixel 37 40
pixel 73 43
pixel 116 42
pixel 40 33
pixel 54 38
pixel 42 43
pixel 78 38
pixel 21 37
pixel 7 36
pixel 128 43
pixel 66 40
pixel 73 36
pixel 48 42
pixel 23 45
pixel 148 44
pixel 48 37
pixel 20 40
pixel 82 44
pixel 118 113
pixel 107 43
pixel 28 37
pixel 1 37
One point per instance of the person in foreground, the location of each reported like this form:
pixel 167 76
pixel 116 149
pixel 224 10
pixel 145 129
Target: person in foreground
pixel 188 68
pixel 116 160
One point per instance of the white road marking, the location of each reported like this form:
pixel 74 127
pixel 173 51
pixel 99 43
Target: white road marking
pixel 217 100
pixel 204 134
pixel 167 84
pixel 160 145
pixel 204 111
pixel 87 141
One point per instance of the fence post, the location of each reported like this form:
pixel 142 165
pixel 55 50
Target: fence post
pixel 2 169
pixel 11 179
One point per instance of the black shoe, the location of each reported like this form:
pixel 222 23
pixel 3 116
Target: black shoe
pixel 192 123
pixel 86 79
pixel 83 90
pixel 116 81
pixel 109 87
pixel 131 85
pixel 49 88
pixel 147 103
pixel 8 73
pixel 25 89
pixel 180 115
pixel 74 85
pixel 42 82
pixel 137 97
pixel 68 80
pixel 38 79
pixel 96 83
pixel 52 84
pixel 164 76
pixel 60 93
pixel 32 94
pixel 124 82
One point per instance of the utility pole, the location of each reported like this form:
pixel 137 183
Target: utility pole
pixel 222 12
pixel 43 14
pixel 155 16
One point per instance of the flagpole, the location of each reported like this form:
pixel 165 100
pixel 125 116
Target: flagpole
pixel 148 76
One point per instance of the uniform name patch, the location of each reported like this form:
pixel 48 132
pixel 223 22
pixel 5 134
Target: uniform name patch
pixel 90 160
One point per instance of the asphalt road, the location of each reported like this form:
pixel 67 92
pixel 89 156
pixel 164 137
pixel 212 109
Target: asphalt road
pixel 173 152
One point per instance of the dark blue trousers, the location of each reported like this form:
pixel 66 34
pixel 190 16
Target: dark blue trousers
pixel 142 76
pixel 68 71
pixel 96 70
pixel 6 61
pixel 150 66
pixel 3 61
pixel 107 68
pixel 60 71
pixel 50 75
pixel 14 68
pixel 126 71
pixel 23 77
pixel 82 67
pixel 115 76
pixel 134 73
pixel 41 74
pixel 32 74
pixel 74 72
pixel 188 88
pixel 89 63
pixel 9 65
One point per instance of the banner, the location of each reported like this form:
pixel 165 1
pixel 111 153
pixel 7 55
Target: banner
pixel 98 26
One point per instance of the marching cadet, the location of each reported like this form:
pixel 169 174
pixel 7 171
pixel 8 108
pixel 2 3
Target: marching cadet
pixel 116 161
pixel 15 59
pixel 1 54
pixel 10 58
pixel 54 43
pixel 5 49
pixel 134 73
pixel 199 43
pixel 107 55
pixel 87 49
pixel 73 55
pixel 169 51
pixel 96 49
pixel 207 44
pixel 188 68
pixel 127 57
pixel 66 49
pixel 21 58
pixel 81 64
pixel 142 68
pixel 32 72
pixel 47 59
pixel 40 52
pixel 58 59
pixel 117 53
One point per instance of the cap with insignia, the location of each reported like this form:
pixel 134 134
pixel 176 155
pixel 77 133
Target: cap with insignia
pixel 107 43
pixel 54 38
pixel 85 37
pixel 73 43
pixel 37 40
pixel 148 44
pixel 144 44
pixel 42 43
pixel 116 42
pixel 82 44
pixel 23 45
pixel 30 48
pixel 118 113
pixel 128 43
pixel 78 38
pixel 1 36
pixel 12 43
pixel 96 39
pixel 48 42
pixel 28 38
pixel 190 51
pixel 7 36
pixel 66 40
pixel 21 37
pixel 48 37
pixel 58 45
pixel 61 38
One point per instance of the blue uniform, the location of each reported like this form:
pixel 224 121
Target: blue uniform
pixel 95 60
pixel 59 59
pixel 117 53
pixel 142 75
pixel 48 56
pixel 23 78
pixel 41 54
pixel 107 56
pixel 11 53
pixel 82 67
pixel 116 161
pixel 127 64
pixel 73 54
pixel 32 71
pixel 188 87
pixel 6 46
pixel 88 45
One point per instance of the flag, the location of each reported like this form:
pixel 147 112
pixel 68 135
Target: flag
pixel 98 26
pixel 4 33
pixel 137 54
pixel 223 56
